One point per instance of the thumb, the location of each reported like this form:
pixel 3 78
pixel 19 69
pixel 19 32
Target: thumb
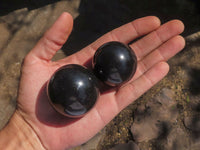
pixel 53 39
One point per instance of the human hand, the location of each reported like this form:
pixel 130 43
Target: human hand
pixel 58 132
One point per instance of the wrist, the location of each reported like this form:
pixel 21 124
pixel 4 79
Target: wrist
pixel 19 135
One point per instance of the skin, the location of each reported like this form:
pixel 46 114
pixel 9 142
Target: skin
pixel 50 130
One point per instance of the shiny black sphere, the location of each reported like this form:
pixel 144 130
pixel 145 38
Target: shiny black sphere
pixel 73 90
pixel 114 63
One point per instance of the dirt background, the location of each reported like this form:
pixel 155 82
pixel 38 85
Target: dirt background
pixel 23 22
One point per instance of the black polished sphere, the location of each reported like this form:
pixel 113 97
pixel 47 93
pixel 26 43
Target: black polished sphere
pixel 114 63
pixel 73 90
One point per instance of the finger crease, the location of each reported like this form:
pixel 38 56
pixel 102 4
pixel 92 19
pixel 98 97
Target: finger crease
pixel 91 47
pixel 158 37
pixel 137 50
pixel 113 36
pixel 148 80
pixel 162 57
pixel 144 67
pixel 134 29
pixel 134 90
pixel 100 116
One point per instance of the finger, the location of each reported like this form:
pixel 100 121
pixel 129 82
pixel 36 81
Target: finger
pixel 153 40
pixel 163 53
pixel 54 38
pixel 125 34
pixel 135 89
pixel 130 31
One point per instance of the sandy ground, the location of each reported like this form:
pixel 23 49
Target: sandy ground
pixel 23 23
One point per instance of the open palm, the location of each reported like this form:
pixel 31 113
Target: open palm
pixel 160 42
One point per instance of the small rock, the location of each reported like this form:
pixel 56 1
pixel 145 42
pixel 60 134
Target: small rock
pixel 177 140
pixel 195 146
pixel 128 146
pixel 192 123
pixel 154 119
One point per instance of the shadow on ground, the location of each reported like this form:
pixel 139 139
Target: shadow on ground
pixel 98 17
pixel 7 6
pixel 194 85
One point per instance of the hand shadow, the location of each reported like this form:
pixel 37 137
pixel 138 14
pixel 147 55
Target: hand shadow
pixel 46 114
